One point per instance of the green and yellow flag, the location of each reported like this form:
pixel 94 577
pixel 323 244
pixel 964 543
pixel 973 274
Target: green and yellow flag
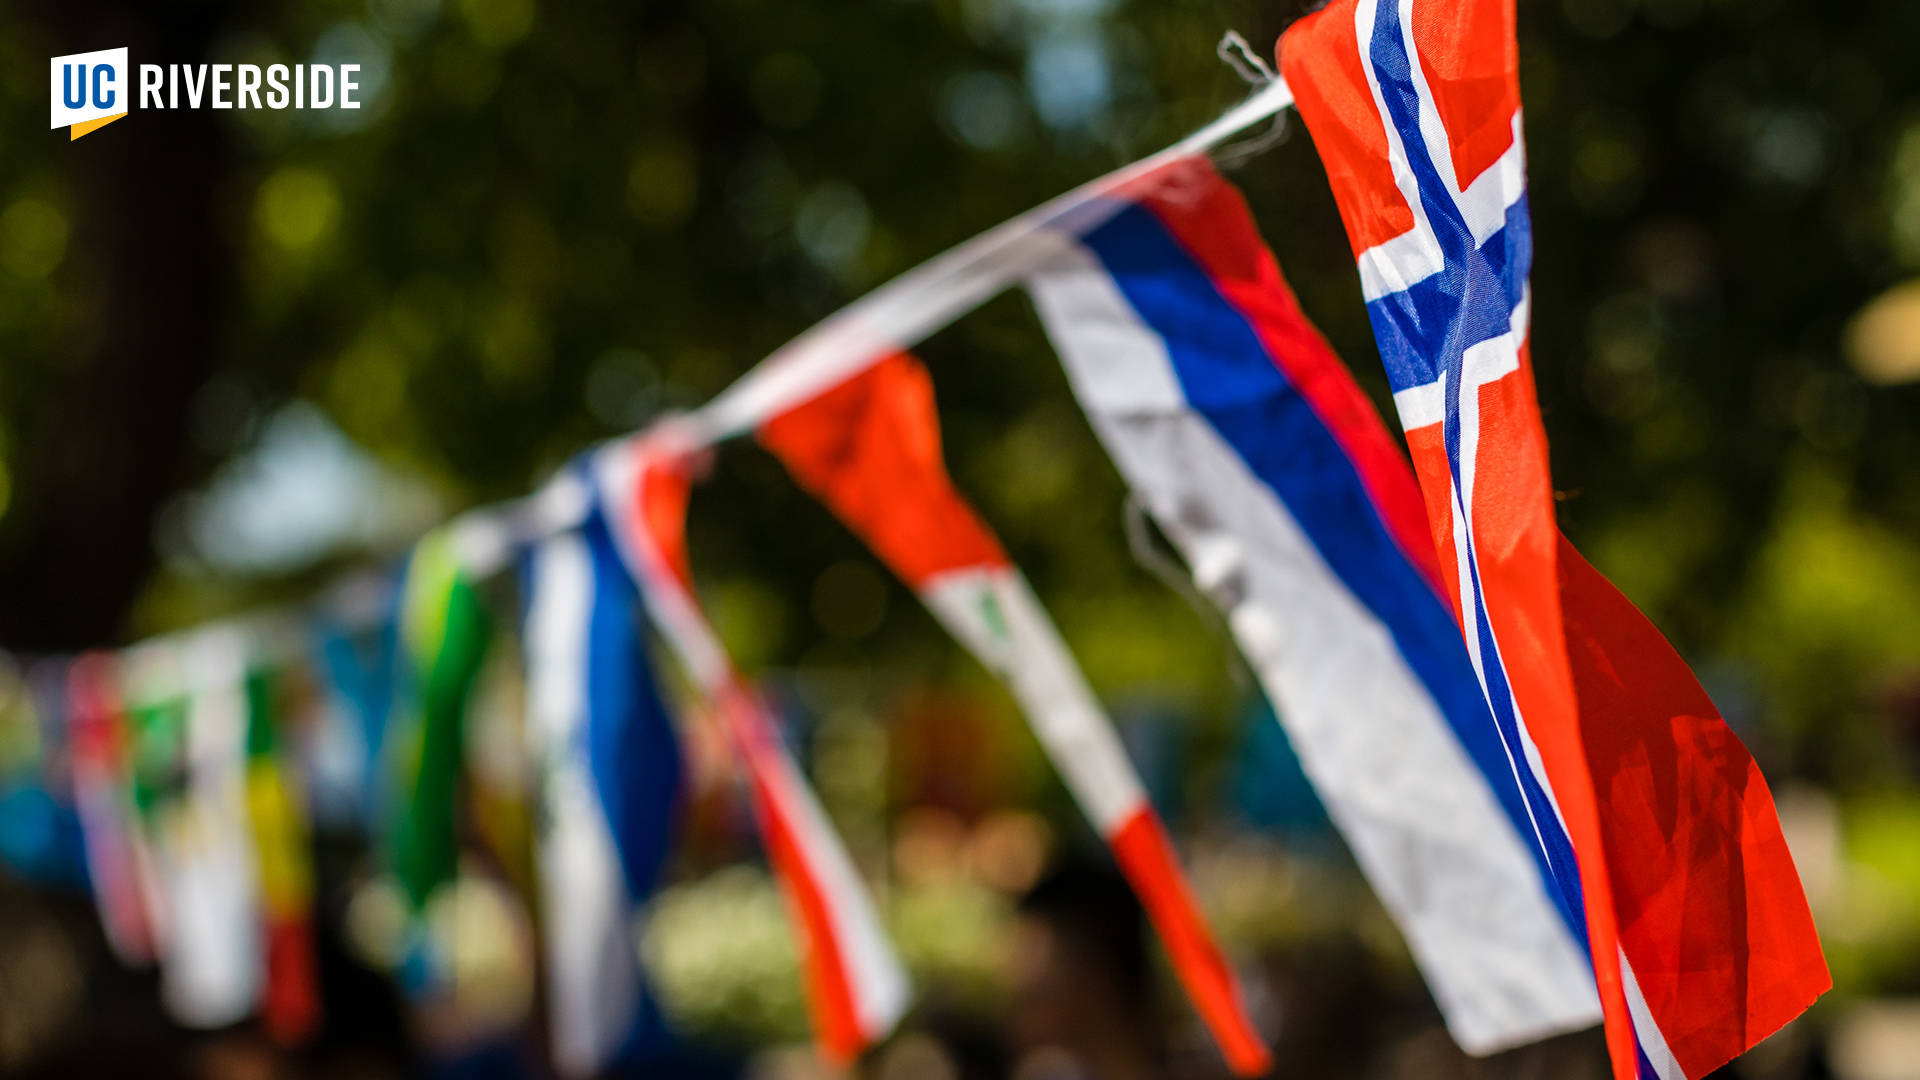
pixel 443 639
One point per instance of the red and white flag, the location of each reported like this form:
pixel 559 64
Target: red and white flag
pixel 856 987
pixel 870 450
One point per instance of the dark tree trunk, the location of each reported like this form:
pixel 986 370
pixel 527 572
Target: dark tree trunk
pixel 150 276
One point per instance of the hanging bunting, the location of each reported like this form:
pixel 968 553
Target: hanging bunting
pixel 1541 793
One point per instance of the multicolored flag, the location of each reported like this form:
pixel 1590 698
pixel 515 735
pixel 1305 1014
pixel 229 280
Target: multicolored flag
pixel 870 450
pixel 856 987
pixel 40 834
pixel 119 866
pixel 1660 835
pixel 190 713
pixel 444 632
pixel 612 778
pixel 1264 464
pixel 283 861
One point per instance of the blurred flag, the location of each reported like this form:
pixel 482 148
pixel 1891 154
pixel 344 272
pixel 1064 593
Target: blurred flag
pixel 443 638
pixel 355 640
pixel 283 860
pixel 496 795
pixel 870 450
pixel 1657 830
pixel 856 988
pixel 190 712
pixel 40 836
pixel 611 781
pixel 1264 464
pixel 119 866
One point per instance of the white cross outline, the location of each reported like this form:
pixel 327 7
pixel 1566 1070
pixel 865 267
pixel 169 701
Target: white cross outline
pixel 1385 269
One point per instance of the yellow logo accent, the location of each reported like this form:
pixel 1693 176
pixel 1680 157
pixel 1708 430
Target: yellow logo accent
pixel 88 126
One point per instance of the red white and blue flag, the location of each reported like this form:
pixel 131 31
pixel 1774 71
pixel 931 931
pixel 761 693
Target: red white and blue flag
pixel 1656 830
pixel 1267 468
pixel 611 783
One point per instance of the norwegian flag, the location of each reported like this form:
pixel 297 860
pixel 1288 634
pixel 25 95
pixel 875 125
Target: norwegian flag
pixel 1655 823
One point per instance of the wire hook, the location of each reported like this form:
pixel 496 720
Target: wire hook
pixel 1234 51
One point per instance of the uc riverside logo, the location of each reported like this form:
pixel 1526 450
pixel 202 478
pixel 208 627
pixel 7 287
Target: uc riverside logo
pixel 91 90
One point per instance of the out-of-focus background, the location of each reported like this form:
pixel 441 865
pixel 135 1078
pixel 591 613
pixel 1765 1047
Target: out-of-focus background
pixel 244 351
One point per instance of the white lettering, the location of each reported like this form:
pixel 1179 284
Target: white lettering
pixel 248 83
pixel 318 99
pixel 196 87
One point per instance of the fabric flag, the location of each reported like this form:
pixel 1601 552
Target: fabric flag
pixel 290 1002
pixel 40 836
pixel 358 666
pixel 1658 830
pixel 119 866
pixel 443 638
pixel 870 450
pixel 191 779
pixel 856 988
pixel 612 780
pixel 1264 464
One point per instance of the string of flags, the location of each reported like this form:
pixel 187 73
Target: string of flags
pixel 1546 802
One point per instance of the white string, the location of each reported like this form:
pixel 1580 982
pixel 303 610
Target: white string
pixel 1150 557
pixel 903 312
pixel 898 315
pixel 1240 56
pixel 1254 68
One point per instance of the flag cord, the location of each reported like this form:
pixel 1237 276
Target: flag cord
pixel 896 315
pixel 1249 65
pixel 928 297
